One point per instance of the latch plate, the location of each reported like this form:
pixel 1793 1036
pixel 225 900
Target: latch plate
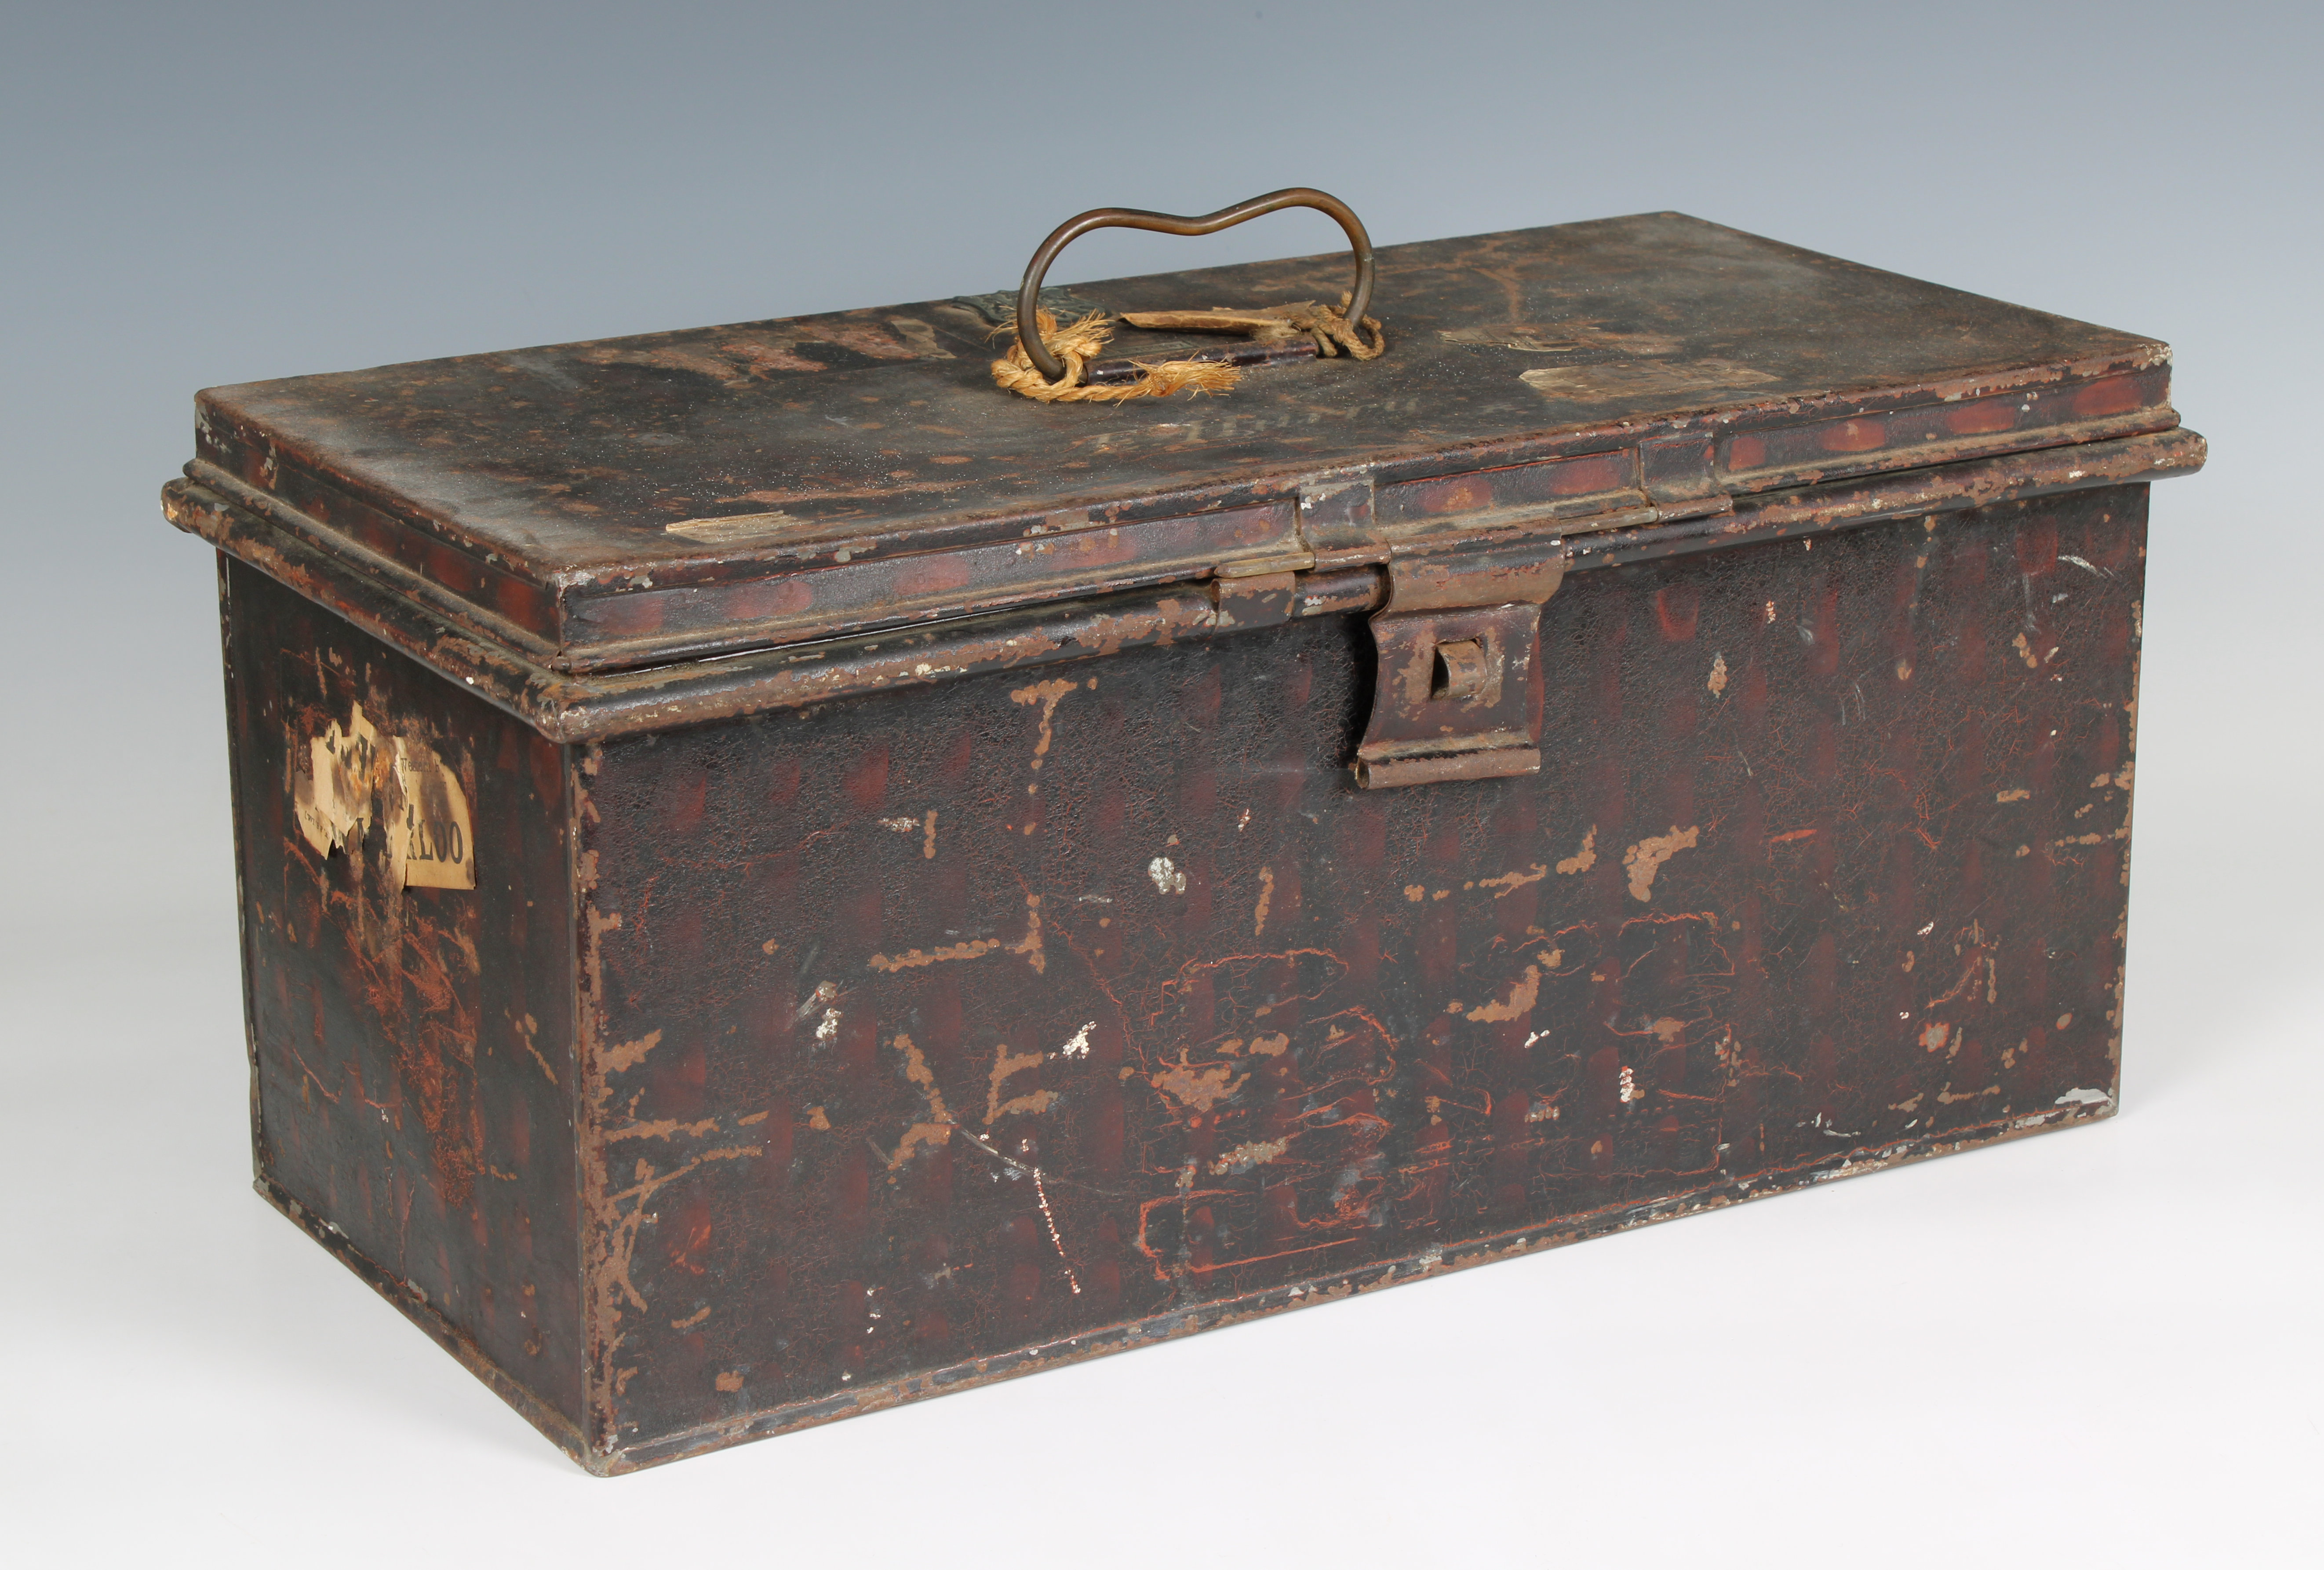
pixel 1458 693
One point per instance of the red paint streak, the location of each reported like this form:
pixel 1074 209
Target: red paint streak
pixel 1363 834
pixel 2037 547
pixel 775 1143
pixel 1824 760
pixel 1985 417
pixel 1104 1131
pixel 2110 395
pixel 866 781
pixel 1854 436
pixel 860 919
pixel 678 1080
pixel 1823 1072
pixel 1466 493
pixel 1822 975
pixel 783 780
pixel 938 573
pixel 779 596
pixel 1581 476
pixel 851 1194
pixel 1677 607
pixel 689 1234
pixel 1751 693
pixel 1823 653
pixel 859 1038
pixel 629 615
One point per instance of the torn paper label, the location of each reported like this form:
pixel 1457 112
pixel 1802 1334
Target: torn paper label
pixel 354 776
pixel 332 801
pixel 429 840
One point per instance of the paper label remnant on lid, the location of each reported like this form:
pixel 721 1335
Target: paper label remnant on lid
pixel 355 777
pixel 1640 379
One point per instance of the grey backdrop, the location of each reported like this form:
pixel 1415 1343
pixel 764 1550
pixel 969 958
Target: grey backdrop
pixel 2097 1348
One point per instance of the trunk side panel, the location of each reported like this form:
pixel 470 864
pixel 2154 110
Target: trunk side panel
pixel 412 1044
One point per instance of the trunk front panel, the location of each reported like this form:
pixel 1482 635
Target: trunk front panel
pixel 923 1029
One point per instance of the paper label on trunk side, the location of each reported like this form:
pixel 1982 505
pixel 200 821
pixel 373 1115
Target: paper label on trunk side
pixel 354 776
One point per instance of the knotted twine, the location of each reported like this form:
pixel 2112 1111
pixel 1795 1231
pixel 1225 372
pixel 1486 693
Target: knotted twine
pixel 1078 344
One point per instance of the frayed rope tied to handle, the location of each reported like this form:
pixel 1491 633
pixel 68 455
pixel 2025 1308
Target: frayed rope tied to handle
pixel 1077 344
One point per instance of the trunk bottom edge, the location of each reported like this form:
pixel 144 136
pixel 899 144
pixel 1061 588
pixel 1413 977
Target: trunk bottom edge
pixel 1172 1324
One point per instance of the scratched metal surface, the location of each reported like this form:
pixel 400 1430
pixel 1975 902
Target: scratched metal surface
pixel 540 486
pixel 925 1040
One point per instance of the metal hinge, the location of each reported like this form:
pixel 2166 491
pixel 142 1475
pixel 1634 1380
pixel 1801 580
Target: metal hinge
pixel 1458 695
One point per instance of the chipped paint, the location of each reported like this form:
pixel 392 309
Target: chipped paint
pixel 628 1055
pixel 1056 1241
pixel 1029 947
pixel 1642 860
pixel 1047 694
pixel 1197 1089
pixel 1244 1156
pixel 1006 1066
pixel 1582 860
pixel 1517 1005
pixel 1510 882
pixel 937 1127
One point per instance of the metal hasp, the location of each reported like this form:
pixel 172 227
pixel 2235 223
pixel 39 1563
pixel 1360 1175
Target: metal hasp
pixel 1458 691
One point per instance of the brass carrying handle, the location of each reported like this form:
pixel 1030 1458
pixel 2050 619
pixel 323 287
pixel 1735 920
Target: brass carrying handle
pixel 1029 296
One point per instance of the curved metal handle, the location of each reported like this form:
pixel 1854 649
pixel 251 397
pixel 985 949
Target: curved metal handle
pixel 1029 296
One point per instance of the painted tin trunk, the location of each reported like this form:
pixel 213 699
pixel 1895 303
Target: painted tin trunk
pixel 749 928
